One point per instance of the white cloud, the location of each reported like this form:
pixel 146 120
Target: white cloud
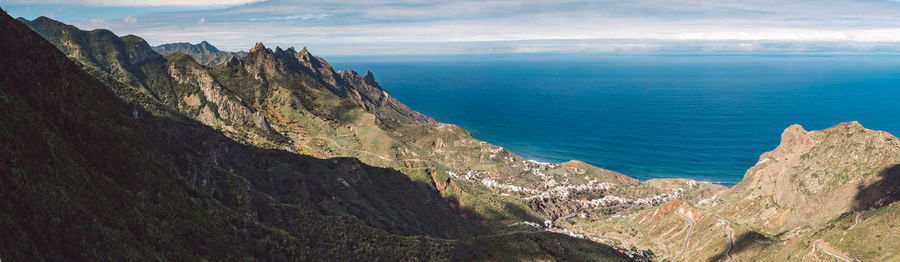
pixel 98 22
pixel 129 19
pixel 140 2
pixel 469 26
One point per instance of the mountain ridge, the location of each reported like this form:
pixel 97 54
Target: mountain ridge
pixel 203 52
pixel 173 188
pixel 298 103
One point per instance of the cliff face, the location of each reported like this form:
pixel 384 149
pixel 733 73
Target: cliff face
pixel 364 91
pixel 813 177
pixel 221 111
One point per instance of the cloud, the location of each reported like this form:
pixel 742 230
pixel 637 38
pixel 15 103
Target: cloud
pixel 129 19
pixel 291 17
pixel 139 2
pixel 98 22
pixel 51 13
pixel 537 26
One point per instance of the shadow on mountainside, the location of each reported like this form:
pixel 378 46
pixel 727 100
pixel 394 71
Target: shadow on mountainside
pixel 880 193
pixel 743 242
pixel 468 206
pixel 380 197
pixel 87 176
pixel 536 246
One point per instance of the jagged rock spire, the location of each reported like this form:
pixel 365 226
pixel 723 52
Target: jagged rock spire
pixel 369 78
pixel 233 61
pixel 258 47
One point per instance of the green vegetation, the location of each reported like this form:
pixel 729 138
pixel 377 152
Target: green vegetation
pixel 116 169
pixel 276 156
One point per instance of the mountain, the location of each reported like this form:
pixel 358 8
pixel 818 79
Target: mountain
pixel 295 101
pixel 203 52
pixel 339 148
pixel 168 188
pixel 834 189
pixel 813 177
pixel 229 103
pixel 89 175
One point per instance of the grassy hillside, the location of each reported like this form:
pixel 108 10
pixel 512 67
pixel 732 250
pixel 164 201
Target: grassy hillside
pixel 294 101
pixel 88 176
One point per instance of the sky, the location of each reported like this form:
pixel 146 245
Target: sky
pixel 416 27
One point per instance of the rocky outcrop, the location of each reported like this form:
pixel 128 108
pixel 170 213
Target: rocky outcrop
pixel 317 67
pixel 363 91
pixel 812 177
pixel 227 107
pixel 366 92
pixel 138 49
pixel 278 61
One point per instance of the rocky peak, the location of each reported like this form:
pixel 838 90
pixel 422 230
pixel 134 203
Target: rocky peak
pixel 794 139
pixel 207 47
pixel 233 61
pixel 287 54
pixel 305 57
pixel 279 60
pixel 259 47
pixel 311 61
pixel 809 170
pixel 318 67
pixel 138 49
pixel 44 20
pixel 369 78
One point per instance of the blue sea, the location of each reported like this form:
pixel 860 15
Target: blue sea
pixel 655 116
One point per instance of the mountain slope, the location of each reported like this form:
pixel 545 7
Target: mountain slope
pixel 160 192
pixel 814 177
pixel 837 187
pixel 171 188
pixel 469 199
pixel 150 78
pixel 284 99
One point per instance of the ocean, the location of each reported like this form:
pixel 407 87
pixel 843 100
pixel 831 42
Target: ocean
pixel 703 117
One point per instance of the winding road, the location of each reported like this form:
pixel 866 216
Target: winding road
pixel 857 221
pixel 817 245
pixel 565 217
pixel 686 238
pixel 730 237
